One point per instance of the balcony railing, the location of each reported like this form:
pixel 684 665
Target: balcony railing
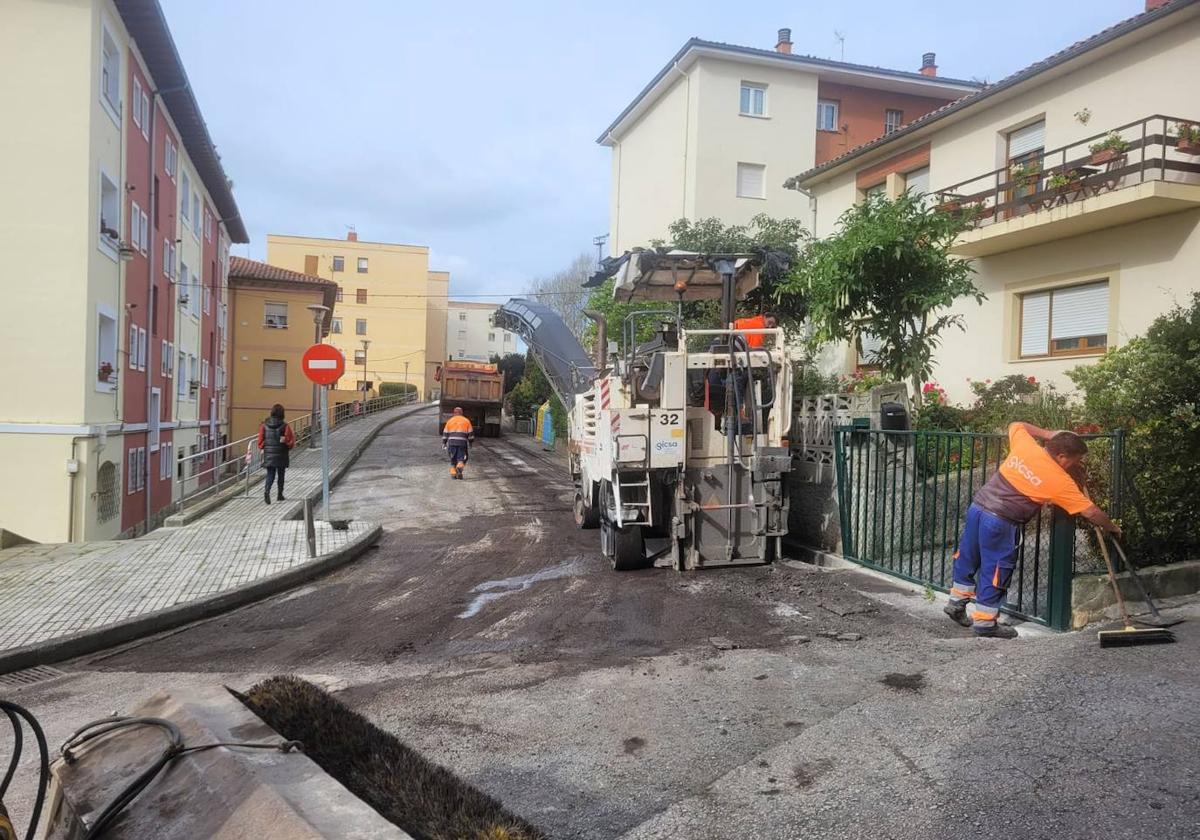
pixel 1147 150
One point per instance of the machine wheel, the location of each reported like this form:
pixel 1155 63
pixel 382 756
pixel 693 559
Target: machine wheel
pixel 629 550
pixel 587 516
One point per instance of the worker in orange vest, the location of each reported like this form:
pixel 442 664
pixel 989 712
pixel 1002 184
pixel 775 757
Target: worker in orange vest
pixel 456 438
pixel 765 321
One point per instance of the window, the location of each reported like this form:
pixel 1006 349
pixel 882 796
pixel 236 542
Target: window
pixel 106 350
pixel 193 375
pixel 360 296
pixel 275 315
pixel 892 120
pixel 143 349
pixel 173 262
pixel 336 325
pixel 871 345
pixel 360 357
pixel 204 372
pixel 135 225
pixel 137 101
pixel 360 326
pixel 827 115
pixel 274 373
pixel 339 263
pixel 362 265
pixel 1065 322
pixel 462 335
pixel 165 459
pixel 185 186
pixel 338 296
pixel 132 350
pixel 196 213
pixel 207 300
pixel 131 471
pixel 170 157
pixel 144 224
pixel 166 252
pixel 170 359
pixel 754 100
pixel 878 189
pixel 462 316
pixel 492 337
pixel 110 214
pixel 110 70
pixel 207 225
pixel 146 116
pixel 751 180
pixel 507 338
pixel 154 427
pixel 181 388
pixel 163 359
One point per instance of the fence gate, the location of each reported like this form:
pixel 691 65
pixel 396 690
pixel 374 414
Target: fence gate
pixel 902 501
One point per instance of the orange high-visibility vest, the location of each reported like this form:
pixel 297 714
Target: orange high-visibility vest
pixel 758 322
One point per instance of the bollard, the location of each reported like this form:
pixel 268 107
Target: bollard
pixel 310 530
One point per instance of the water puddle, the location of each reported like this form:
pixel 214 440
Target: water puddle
pixel 493 590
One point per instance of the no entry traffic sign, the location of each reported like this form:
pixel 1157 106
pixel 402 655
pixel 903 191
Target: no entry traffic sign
pixel 324 364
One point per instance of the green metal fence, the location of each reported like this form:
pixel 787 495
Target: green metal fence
pixel 903 498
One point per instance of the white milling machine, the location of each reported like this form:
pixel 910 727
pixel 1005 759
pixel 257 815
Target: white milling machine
pixel 678 449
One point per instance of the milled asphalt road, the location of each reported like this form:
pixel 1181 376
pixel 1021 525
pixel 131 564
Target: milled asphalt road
pixel 487 632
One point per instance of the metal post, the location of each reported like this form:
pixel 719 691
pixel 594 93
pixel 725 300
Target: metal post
pixel 310 529
pixel 325 452
pixel 1062 548
pixel 318 312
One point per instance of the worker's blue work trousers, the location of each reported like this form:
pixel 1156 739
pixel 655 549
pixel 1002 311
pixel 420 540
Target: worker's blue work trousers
pixel 458 454
pixel 987 553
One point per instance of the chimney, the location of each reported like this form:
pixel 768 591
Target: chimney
pixel 352 236
pixel 928 64
pixel 1151 5
pixel 784 44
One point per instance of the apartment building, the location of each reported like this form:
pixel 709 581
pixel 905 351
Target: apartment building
pixel 272 326
pixel 435 330
pixel 1086 209
pixel 117 188
pixel 471 336
pixel 717 131
pixel 382 300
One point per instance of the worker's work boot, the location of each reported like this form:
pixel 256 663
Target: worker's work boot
pixel 453 472
pixel 459 472
pixel 958 612
pixel 997 631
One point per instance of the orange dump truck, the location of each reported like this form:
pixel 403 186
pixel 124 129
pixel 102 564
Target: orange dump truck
pixel 475 387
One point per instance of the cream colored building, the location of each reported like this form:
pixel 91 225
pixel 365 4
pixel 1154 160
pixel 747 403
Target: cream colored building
pixel 383 298
pixel 98 409
pixel 1068 272
pixel 717 131
pixel 471 336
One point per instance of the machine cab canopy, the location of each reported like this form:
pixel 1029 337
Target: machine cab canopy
pixel 649 274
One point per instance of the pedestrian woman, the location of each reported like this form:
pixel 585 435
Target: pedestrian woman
pixel 275 439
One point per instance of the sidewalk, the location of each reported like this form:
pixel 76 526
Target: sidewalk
pixel 63 600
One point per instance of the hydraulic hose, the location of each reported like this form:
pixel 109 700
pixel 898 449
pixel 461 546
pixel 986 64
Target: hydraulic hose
pixel 15 715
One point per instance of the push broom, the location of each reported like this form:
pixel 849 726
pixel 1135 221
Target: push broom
pixel 1129 635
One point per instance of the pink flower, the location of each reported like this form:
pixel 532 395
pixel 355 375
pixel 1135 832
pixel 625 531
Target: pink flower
pixel 1033 380
pixel 987 382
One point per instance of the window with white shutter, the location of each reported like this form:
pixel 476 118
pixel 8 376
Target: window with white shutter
pixel 274 373
pixel 275 315
pixel 751 180
pixel 1064 322
pixel 131 471
pixel 1031 138
pixel 871 345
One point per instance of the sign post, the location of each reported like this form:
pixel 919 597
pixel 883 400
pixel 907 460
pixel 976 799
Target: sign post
pixel 324 365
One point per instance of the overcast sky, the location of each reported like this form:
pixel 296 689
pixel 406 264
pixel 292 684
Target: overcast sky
pixel 470 127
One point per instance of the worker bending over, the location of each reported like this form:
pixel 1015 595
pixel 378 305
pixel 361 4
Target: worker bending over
pixel 456 438
pixel 765 321
pixel 1030 476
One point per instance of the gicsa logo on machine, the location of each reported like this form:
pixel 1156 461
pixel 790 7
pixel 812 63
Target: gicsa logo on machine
pixel 666 432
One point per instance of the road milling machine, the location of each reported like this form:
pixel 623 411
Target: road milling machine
pixel 678 444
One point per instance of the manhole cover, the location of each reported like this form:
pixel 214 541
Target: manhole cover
pixel 30 676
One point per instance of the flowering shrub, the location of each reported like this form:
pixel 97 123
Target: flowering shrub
pixel 861 381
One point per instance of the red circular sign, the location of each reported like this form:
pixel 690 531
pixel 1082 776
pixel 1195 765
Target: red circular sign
pixel 323 364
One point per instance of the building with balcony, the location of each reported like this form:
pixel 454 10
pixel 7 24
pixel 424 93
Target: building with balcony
pixel 117 194
pixel 271 327
pixel 717 131
pixel 471 336
pixel 383 299
pixel 1082 188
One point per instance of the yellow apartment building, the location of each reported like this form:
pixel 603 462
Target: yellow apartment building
pixel 271 328
pixel 382 298
pixel 435 328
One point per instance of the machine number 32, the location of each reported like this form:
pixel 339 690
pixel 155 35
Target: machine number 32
pixel 665 419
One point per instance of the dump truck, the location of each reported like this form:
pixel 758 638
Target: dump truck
pixel 475 387
pixel 677 435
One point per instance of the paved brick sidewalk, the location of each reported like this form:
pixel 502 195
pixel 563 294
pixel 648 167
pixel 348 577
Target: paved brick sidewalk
pixel 56 591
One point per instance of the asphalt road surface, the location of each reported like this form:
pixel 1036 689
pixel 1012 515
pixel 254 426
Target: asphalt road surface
pixel 486 631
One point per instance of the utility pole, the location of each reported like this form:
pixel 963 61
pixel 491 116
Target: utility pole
pixel 318 311
pixel 406 377
pixel 599 241
pixel 366 387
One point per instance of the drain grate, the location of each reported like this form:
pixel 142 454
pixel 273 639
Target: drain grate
pixel 30 676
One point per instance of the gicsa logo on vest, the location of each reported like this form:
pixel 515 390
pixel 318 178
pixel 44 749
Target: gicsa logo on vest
pixel 1017 465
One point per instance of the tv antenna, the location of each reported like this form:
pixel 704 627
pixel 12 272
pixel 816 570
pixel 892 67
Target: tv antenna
pixel 840 37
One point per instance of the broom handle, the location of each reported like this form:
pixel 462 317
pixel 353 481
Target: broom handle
pixel 1136 579
pixel 1112 576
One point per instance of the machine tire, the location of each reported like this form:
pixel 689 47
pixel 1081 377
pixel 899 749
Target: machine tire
pixel 587 516
pixel 630 549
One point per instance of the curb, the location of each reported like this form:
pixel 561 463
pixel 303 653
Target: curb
pixel 195 514
pixel 90 641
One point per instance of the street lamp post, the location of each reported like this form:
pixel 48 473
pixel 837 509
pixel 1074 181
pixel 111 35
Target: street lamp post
pixel 366 386
pixel 318 312
pixel 406 380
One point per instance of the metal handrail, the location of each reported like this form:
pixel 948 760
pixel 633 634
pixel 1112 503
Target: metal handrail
pixel 992 194
pixel 238 459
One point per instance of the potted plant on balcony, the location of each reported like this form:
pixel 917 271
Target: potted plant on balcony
pixel 1026 174
pixel 1189 138
pixel 104 374
pixel 1108 148
pixel 1070 180
pixel 949 204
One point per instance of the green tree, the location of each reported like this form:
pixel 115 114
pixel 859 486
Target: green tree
pixel 533 390
pixel 512 365
pixel 887 272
